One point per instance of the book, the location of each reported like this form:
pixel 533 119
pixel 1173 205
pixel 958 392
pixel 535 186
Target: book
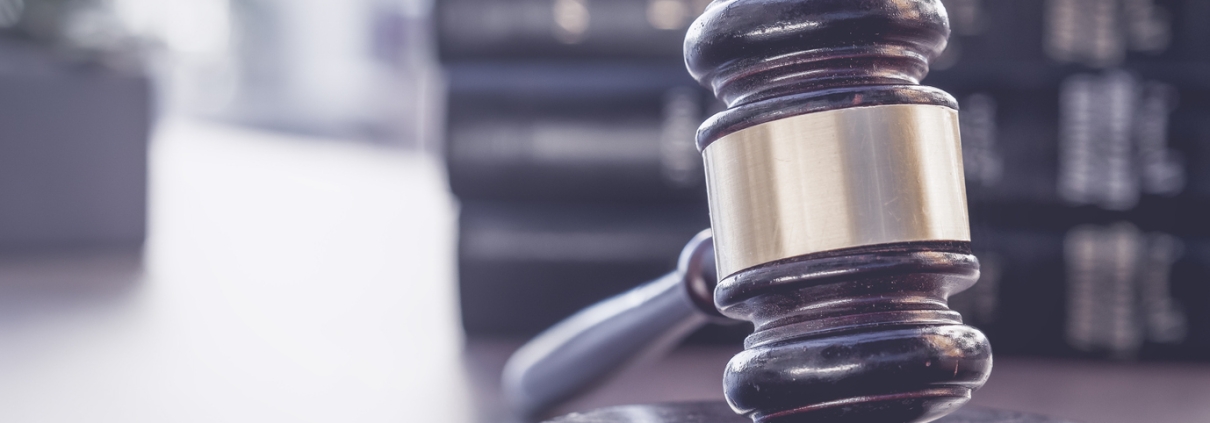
pixel 999 35
pixel 1086 144
pixel 523 266
pixel 1115 290
pixel 1116 139
pixel 575 133
pixel 649 30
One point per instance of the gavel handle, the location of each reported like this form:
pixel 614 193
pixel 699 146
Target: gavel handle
pixel 586 348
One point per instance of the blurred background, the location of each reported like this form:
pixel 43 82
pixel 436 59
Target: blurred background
pixel 355 210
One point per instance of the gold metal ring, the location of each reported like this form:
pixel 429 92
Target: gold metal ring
pixel 836 179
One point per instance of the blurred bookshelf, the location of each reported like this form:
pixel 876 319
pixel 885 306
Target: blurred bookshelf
pixel 1085 142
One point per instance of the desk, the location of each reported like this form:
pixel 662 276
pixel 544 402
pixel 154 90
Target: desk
pixel 285 280
pixel 1092 392
pixel 305 280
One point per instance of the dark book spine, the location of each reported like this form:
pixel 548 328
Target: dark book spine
pixel 1114 290
pixel 1089 33
pixel 1112 140
pixel 523 267
pixel 564 29
pixel 1086 148
pixel 574 134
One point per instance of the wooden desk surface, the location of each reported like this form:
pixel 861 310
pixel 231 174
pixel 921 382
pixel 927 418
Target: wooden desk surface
pixel 303 280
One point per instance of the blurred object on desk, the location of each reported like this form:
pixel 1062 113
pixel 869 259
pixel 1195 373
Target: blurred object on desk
pixel 356 69
pixel 77 30
pixel 76 111
pixel 284 279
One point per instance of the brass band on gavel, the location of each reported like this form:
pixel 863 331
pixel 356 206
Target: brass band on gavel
pixel 836 179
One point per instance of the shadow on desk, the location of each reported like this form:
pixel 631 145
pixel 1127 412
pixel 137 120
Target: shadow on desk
pixel 38 285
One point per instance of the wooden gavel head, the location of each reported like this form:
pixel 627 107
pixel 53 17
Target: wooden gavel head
pixel 838 208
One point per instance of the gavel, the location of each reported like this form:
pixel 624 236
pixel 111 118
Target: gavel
pixel 839 225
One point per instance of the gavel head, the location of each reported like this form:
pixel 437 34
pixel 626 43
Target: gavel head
pixel 838 208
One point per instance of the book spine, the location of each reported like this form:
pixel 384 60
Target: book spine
pixel 1114 290
pixel 564 29
pixel 1112 140
pixel 584 139
pixel 523 267
pixel 1087 33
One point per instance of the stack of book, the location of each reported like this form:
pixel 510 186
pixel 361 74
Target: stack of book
pixel 570 145
pixel 1086 142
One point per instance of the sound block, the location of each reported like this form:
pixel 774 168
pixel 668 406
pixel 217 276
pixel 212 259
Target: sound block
pixel 719 412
